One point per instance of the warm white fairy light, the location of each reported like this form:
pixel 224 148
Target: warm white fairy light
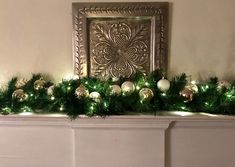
pixel 61 108
pixel 193 82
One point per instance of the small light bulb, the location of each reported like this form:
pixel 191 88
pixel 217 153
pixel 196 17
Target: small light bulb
pixel 137 87
pixel 163 94
pixel 61 108
pixel 31 94
pixel 193 82
pixel 146 84
pixel 68 88
pixel 105 104
pixel 92 108
pixel 229 96
pixel 52 98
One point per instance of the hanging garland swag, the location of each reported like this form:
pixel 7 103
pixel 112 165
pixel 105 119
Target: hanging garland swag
pixel 139 94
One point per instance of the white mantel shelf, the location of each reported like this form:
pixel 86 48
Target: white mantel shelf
pixel 117 141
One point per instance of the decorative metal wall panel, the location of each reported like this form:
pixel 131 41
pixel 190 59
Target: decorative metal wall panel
pixel 119 39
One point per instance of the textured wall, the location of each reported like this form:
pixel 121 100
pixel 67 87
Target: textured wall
pixel 35 36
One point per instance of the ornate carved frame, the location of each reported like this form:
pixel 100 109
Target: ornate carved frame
pixel 155 12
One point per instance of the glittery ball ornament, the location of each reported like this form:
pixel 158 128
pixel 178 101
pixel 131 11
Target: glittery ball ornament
pixel 128 87
pixel 20 95
pixel 21 82
pixel 187 94
pixel 163 85
pixel 39 84
pixel 95 96
pixel 192 87
pixel 146 94
pixel 115 90
pixel 81 91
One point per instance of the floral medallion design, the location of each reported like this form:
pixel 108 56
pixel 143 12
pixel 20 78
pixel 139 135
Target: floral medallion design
pixel 119 48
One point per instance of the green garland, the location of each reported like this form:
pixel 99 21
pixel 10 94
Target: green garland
pixel 209 98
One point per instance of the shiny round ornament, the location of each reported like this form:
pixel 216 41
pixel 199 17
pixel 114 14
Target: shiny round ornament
pixel 39 84
pixel 146 94
pixel 81 91
pixel 163 85
pixel 115 90
pixel 192 87
pixel 128 87
pixel 224 84
pixel 187 93
pixel 95 96
pixel 21 82
pixel 50 90
pixel 20 95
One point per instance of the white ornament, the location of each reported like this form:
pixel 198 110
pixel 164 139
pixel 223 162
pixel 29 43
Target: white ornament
pixel 115 90
pixel 224 84
pixel 95 96
pixel 128 87
pixel 163 85
pixel 50 90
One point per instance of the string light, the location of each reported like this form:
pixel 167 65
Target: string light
pixel 61 108
pixel 147 84
pixel 52 98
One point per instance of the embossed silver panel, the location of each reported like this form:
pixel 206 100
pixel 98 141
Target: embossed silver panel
pixel 119 39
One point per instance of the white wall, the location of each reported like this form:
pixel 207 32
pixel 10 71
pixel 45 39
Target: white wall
pixel 35 36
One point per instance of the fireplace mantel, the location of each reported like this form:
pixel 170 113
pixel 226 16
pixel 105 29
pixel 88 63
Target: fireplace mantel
pixel 117 141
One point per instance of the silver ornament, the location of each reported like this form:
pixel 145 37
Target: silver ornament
pixel 128 87
pixel 163 85
pixel 146 94
pixel 115 90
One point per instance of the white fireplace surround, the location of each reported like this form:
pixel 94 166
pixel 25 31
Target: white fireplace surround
pixel 117 141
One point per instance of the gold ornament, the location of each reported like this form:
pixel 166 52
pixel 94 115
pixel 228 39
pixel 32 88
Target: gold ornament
pixel 95 96
pixel 163 85
pixel 128 87
pixel 50 90
pixel 224 84
pixel 115 90
pixel 39 84
pixel 20 95
pixel 21 82
pixel 81 91
pixel 146 94
pixel 192 87
pixel 187 93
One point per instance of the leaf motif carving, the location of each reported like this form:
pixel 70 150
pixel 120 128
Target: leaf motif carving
pixel 119 48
